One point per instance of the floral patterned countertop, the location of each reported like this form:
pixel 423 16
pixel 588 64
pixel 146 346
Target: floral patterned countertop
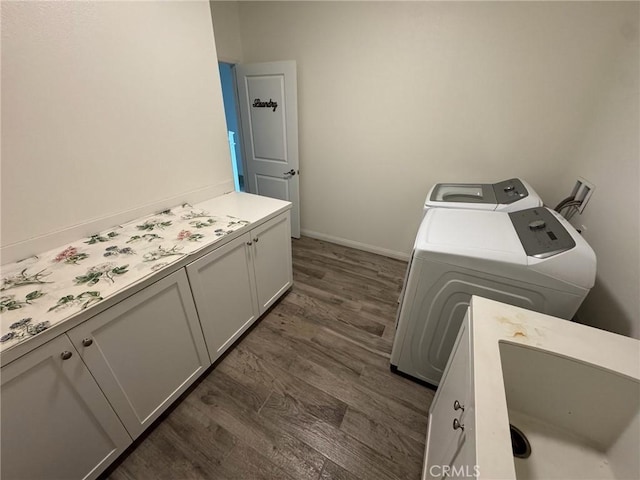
pixel 41 291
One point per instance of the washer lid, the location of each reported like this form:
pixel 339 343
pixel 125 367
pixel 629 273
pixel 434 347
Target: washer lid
pixel 480 234
pixel 481 195
pixel 462 193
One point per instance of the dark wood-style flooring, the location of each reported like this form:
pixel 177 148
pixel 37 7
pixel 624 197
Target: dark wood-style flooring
pixel 307 393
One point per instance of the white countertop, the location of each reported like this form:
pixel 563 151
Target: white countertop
pixel 40 292
pixel 493 322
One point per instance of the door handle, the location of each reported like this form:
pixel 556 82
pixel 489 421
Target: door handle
pixel 290 173
pixel 457 425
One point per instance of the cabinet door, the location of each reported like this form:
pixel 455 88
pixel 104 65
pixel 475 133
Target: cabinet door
pixel 444 443
pixel 224 290
pixel 272 259
pixel 56 423
pixel 145 351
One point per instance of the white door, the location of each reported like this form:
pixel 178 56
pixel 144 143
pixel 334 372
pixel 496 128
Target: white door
pixel 267 96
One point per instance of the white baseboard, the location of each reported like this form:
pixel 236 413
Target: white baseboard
pixel 357 245
pixel 34 246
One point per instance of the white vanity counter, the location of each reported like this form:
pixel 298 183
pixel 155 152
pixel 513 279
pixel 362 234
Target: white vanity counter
pixel 572 389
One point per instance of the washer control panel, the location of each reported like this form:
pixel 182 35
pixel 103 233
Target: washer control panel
pixel 541 233
pixel 509 191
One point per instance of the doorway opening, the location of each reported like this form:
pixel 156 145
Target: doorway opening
pixel 227 79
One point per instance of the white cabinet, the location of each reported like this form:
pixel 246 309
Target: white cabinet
pixel 70 418
pixel 145 351
pixel 236 283
pixel 223 286
pixel 450 451
pixel 56 423
pixel 272 259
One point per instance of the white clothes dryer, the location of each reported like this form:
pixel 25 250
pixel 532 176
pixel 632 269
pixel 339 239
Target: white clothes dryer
pixel 532 259
pixel 506 196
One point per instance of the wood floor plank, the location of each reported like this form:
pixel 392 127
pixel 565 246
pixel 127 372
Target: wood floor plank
pixel 305 335
pixel 331 471
pixel 397 388
pixel 355 259
pixel 319 313
pixel 342 349
pixel 385 440
pixel 251 395
pixel 135 463
pixel 354 394
pixel 203 441
pixel 265 437
pixel 185 445
pixel 339 447
pixel 345 298
pixel 341 383
pixel 172 456
pixel 302 355
pixel 250 370
pixel 377 270
pixel 245 463
pixel 312 306
pixel 353 288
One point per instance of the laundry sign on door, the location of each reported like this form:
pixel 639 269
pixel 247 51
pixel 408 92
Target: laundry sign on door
pixel 257 103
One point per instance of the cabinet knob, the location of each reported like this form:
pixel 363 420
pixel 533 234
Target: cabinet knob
pixel 457 425
pixel 66 355
pixel 87 342
pixel 249 243
pixel 255 240
pixel 457 406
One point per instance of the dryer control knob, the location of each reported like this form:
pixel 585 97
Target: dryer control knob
pixel 537 224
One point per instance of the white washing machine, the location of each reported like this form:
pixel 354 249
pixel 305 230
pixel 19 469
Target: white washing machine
pixel 532 259
pixel 506 196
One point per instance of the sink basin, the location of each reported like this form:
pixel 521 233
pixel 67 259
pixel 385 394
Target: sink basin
pixel 572 390
pixel 581 420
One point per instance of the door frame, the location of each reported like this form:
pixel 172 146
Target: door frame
pixel 239 138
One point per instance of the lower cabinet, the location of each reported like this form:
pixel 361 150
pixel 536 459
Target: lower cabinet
pixel 71 406
pixel 56 423
pixel 145 351
pixel 233 285
pixel 271 256
pixel 450 452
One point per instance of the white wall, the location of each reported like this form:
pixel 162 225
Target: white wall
pixel 608 154
pixel 226 24
pixel 396 96
pixel 107 107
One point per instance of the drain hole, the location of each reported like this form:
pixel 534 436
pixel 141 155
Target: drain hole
pixel 519 443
